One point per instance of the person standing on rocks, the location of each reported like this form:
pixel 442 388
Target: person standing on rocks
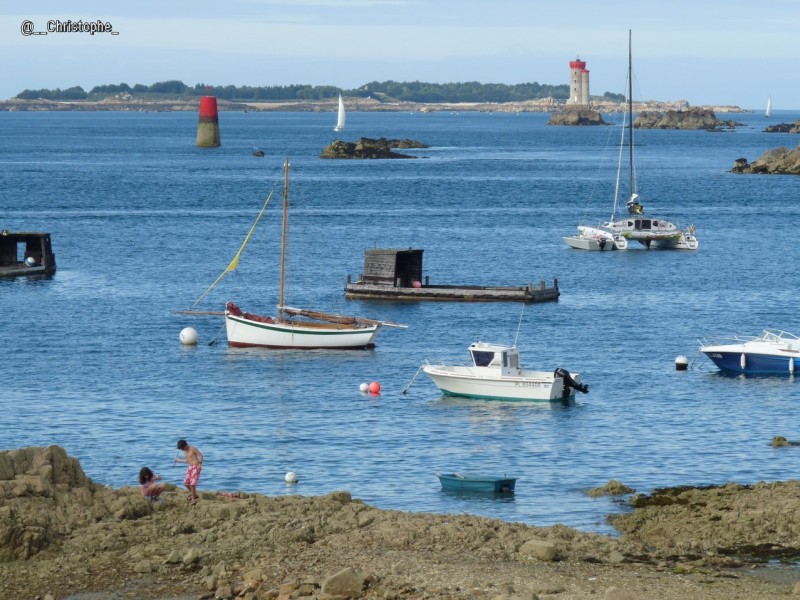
pixel 194 458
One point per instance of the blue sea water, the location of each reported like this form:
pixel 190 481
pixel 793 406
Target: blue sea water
pixel 143 222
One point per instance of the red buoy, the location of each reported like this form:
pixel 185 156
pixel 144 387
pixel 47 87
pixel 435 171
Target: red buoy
pixel 375 387
pixel 208 126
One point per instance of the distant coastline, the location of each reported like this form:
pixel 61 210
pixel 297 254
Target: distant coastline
pixel 129 103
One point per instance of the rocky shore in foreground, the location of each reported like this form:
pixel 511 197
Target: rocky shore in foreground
pixel 65 536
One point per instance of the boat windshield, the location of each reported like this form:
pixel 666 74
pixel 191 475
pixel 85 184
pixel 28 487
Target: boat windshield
pixel 482 358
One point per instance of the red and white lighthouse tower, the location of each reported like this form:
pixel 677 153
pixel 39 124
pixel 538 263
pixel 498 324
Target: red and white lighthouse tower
pixel 578 82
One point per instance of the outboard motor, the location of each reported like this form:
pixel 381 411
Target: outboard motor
pixel 569 382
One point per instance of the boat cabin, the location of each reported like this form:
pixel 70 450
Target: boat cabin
pixel 26 254
pixel 504 358
pixel 393 267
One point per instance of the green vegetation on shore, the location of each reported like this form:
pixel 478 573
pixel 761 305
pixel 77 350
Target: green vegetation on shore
pixel 414 91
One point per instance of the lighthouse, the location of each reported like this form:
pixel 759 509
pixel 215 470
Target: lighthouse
pixel 578 82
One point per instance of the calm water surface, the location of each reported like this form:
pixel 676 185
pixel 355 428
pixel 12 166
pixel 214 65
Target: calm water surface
pixel 143 222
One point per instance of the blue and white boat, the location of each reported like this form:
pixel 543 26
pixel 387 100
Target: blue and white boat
pixel 774 351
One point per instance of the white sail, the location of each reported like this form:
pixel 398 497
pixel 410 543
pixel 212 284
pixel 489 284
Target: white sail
pixel 340 120
pixel 768 112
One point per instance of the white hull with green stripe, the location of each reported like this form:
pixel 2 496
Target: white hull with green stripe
pixel 495 374
pixel 246 330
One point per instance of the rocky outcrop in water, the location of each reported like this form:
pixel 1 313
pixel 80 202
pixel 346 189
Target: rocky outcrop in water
pixel 784 128
pixel 370 148
pixel 778 161
pixel 694 117
pixel 577 116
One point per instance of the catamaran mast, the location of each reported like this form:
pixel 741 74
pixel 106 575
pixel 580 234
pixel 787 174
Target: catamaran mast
pixel 283 235
pixel 631 191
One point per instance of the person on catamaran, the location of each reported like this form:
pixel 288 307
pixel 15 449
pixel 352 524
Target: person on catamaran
pixel 194 458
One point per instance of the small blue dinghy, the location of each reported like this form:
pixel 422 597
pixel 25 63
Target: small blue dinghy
pixel 468 482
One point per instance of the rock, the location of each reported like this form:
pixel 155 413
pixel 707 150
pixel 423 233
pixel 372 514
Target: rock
pixel 784 128
pixel 541 549
pixel 612 488
pixel 348 583
pixel 779 440
pixel 615 593
pixel 223 592
pixel 192 556
pixel 616 557
pixel 143 566
pixel 369 148
pixel 781 161
pixel 796 589
pixel 577 115
pixel 694 117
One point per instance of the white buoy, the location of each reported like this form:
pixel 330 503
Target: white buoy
pixel 188 336
pixel 742 361
pixel 290 477
pixel 364 388
pixel 681 363
pixel 30 262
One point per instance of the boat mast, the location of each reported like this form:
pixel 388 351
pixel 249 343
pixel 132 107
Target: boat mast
pixel 283 235
pixel 630 118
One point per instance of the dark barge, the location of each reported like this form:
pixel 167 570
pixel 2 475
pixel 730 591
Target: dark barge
pixel 26 254
pixel 392 274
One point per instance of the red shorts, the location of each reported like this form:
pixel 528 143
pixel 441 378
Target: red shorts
pixel 192 475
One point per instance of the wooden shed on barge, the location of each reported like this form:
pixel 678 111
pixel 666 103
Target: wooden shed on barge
pixel 396 274
pixel 26 253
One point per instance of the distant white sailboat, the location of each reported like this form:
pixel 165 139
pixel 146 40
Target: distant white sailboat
pixel 340 120
pixel 768 112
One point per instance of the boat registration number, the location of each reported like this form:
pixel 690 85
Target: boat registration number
pixel 528 384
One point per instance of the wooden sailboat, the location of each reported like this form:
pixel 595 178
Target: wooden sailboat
pixel 341 117
pixel 313 330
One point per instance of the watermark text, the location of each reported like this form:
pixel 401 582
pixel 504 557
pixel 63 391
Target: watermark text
pixel 57 26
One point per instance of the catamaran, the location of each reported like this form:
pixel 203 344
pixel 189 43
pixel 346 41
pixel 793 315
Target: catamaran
pixel 615 234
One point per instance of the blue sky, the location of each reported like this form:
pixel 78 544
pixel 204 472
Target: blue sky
pixel 704 51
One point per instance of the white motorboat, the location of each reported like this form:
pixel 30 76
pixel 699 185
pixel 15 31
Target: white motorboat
pixel 495 374
pixel 651 232
pixel 772 352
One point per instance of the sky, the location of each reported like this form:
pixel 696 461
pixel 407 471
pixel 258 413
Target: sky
pixel 707 52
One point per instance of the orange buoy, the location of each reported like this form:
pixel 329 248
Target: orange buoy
pixel 375 387
pixel 208 127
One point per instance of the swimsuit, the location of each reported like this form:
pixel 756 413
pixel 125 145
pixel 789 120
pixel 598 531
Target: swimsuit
pixel 146 489
pixel 192 475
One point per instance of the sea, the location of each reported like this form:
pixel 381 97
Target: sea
pixel 143 222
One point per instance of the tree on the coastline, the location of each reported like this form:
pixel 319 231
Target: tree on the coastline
pixel 404 91
pixel 73 93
